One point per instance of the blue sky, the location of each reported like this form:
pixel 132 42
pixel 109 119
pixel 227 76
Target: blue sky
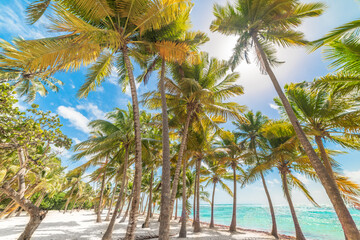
pixel 299 66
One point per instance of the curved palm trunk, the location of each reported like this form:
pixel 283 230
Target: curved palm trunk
pixel 299 234
pixel 233 220
pixel 39 200
pixel 331 189
pixel 69 199
pixel 180 157
pixel 165 205
pixel 127 211
pixel 110 228
pixel 148 215
pixel 122 201
pixel 272 212
pixel 73 206
pixel 197 227
pixel 182 233
pixel 98 218
pixel 111 202
pixel 130 232
pixel 212 207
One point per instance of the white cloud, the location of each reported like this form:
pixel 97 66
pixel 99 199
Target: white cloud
pixel 61 152
pixel 353 175
pixel 92 109
pixel 20 106
pixel 12 20
pixel 76 119
pixel 273 106
pixel 273 182
pixel 76 140
pixel 113 78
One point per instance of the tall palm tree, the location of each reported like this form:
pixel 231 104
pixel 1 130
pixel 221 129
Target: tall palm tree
pixel 197 93
pixel 272 22
pixel 251 138
pixel 230 153
pixel 84 40
pixel 173 43
pixel 215 173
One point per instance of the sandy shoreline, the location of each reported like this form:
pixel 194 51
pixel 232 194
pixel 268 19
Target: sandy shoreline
pixel 81 225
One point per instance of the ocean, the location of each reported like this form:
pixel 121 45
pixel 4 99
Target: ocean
pixel 316 223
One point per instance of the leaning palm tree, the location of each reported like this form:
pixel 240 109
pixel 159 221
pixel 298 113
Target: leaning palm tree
pixel 105 33
pixel 215 173
pixel 326 116
pixel 251 138
pixel 287 157
pixel 264 24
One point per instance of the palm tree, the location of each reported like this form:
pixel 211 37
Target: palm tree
pixel 326 116
pixel 342 48
pixel 251 138
pixel 27 83
pixel 284 153
pixel 196 93
pixel 172 44
pixel 108 44
pixel 214 173
pixel 229 152
pixel 265 23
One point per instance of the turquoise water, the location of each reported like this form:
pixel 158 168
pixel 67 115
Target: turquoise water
pixel 316 223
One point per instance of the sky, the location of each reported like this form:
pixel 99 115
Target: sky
pixel 75 114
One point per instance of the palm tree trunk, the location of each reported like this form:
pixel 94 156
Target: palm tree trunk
pixel 233 220
pixel 141 204
pixel 127 210
pixel 111 201
pixel 212 207
pixel 272 212
pixel 138 168
pixel 180 157
pixel 98 218
pixel 197 227
pixel 40 199
pixel 325 157
pixel 194 203
pixel 165 207
pixel 69 199
pixel 331 189
pixel 73 206
pixel 182 233
pixel 110 228
pixel 176 208
pixel 298 231
pixel 148 215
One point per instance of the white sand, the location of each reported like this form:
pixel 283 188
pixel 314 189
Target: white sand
pixel 82 225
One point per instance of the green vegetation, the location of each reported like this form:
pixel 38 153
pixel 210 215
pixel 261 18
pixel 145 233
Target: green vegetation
pixel 183 138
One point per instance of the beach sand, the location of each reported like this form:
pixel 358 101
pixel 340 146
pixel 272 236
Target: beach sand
pixel 82 225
